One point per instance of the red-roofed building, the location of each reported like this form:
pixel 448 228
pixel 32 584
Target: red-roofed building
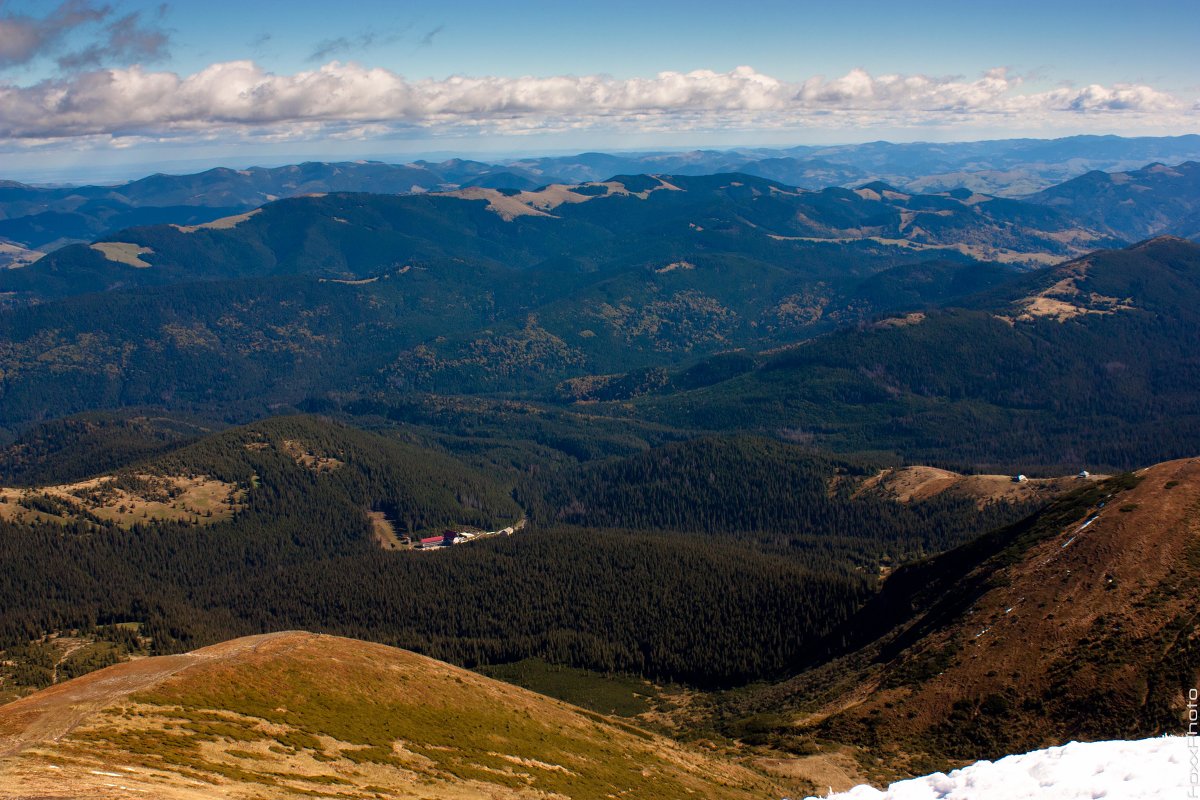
pixel 445 540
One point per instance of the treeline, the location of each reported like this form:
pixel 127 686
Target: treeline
pixel 418 488
pixel 779 497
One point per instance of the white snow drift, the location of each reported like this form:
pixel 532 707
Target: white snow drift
pixel 1150 769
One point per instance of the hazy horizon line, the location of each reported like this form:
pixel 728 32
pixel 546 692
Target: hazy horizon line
pixel 126 171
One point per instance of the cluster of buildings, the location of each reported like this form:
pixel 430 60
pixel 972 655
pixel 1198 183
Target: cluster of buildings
pixel 450 537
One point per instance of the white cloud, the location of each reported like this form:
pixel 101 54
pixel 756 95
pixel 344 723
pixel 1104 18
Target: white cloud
pixel 347 99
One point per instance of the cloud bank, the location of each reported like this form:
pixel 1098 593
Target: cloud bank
pixel 348 100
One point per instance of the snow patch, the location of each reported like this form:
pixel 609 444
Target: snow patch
pixel 1119 770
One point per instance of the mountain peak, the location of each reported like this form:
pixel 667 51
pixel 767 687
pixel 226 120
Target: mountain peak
pixel 880 186
pixel 1163 240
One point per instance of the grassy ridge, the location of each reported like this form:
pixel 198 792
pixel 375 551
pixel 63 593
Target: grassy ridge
pixel 349 713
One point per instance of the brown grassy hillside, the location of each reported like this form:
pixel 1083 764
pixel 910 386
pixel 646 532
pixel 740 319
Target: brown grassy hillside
pixel 916 483
pixel 298 714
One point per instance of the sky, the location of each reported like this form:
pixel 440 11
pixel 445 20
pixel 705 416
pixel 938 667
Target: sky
pixel 126 84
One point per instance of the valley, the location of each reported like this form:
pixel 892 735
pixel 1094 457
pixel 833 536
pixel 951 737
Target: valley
pixel 1070 603
pixel 564 401
pixel 1018 632
pixel 664 483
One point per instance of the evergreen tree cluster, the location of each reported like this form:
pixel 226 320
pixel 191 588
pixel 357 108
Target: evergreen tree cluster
pixel 777 497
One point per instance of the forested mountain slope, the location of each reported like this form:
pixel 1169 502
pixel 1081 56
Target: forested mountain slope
pixel 1047 369
pixel 286 523
pixel 1133 205
pixel 351 293
pixel 777 496
pixel 73 448
pixel 1052 371
pixel 290 543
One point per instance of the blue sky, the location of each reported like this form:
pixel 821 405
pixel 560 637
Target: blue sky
pixel 140 81
pixel 1079 41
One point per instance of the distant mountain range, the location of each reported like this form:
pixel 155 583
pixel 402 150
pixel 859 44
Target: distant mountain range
pixel 649 221
pixel 1009 167
pixel 35 220
pixel 480 290
pixel 38 220
pixel 679 299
